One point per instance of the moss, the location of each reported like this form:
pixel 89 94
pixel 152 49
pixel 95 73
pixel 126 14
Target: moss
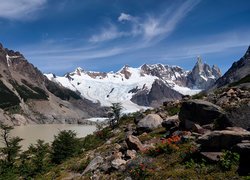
pixel 173 110
pixel 199 95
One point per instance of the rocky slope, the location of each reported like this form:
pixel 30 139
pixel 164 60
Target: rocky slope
pixel 163 144
pixel 237 71
pixel 27 96
pixel 135 88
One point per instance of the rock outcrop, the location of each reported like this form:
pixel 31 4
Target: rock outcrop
pixel 202 112
pixel 149 123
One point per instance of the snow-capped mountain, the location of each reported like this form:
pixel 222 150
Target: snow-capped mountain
pixel 135 88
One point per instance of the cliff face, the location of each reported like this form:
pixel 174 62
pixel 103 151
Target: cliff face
pixel 237 71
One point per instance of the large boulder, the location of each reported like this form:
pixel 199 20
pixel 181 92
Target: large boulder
pixel 244 150
pixel 202 112
pixel 134 143
pixel 225 139
pixel 150 122
pixel 240 116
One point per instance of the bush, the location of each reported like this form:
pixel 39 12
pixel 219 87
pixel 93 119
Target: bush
pixel 140 168
pixel 167 146
pixel 229 159
pixel 65 145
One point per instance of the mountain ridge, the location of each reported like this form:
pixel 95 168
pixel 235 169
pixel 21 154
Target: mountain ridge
pixel 140 86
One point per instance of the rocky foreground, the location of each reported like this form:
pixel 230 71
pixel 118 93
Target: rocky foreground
pixel 201 137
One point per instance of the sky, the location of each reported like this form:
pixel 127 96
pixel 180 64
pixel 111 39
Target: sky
pixel 104 35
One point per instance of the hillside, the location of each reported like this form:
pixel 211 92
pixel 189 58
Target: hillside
pixel 28 97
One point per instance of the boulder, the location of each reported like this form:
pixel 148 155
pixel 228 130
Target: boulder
pixel 95 163
pixel 211 156
pixel 219 140
pixel 171 122
pixel 240 116
pixel 130 154
pixel 244 150
pixel 116 163
pixel 202 112
pixel 198 129
pixel 149 123
pixel 134 143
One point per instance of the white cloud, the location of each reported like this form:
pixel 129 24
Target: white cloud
pixel 107 34
pixel 125 17
pixel 164 25
pixel 20 9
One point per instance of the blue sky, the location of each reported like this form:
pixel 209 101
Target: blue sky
pixel 103 35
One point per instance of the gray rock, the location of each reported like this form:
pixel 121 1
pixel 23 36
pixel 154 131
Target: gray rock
pixel 95 163
pixel 202 112
pixel 116 163
pixel 159 93
pixel 149 122
pixel 171 122
pixel 211 156
pixel 134 143
pixel 240 116
pixel 131 154
pixel 225 139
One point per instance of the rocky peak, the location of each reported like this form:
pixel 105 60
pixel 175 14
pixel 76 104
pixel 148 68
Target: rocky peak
pixel 216 71
pixel 202 75
pixel 125 71
pixel 79 71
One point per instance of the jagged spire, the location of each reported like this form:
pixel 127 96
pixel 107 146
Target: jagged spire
pixel 199 60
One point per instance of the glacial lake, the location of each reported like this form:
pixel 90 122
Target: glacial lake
pixel 31 133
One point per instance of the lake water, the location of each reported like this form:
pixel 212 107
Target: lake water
pixel 46 132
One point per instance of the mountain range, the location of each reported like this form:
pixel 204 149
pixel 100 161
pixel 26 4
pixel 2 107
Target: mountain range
pixel 135 88
pixel 28 96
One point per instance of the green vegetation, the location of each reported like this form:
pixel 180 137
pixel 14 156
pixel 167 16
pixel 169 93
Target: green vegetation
pixel 65 145
pixel 173 110
pixel 171 157
pixel 115 114
pixel 29 93
pixel 199 95
pixel 246 79
pixel 228 160
pixel 7 97
pixel 62 93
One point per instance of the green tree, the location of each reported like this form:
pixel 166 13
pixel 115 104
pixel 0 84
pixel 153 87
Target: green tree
pixel 115 114
pixel 65 145
pixel 35 160
pixel 11 147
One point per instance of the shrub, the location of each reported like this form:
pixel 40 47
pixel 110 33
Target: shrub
pixel 229 159
pixel 65 145
pixel 140 168
pixel 167 146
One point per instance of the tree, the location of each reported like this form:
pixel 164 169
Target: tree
pixel 11 147
pixel 115 114
pixel 65 144
pixel 35 160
